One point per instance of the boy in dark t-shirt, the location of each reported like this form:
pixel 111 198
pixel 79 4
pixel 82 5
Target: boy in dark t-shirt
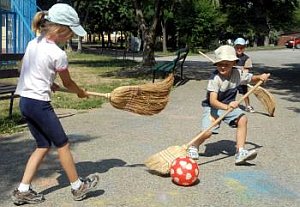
pixel 245 64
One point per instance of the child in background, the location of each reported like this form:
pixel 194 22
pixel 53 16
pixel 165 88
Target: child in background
pixel 221 94
pixel 42 61
pixel 245 63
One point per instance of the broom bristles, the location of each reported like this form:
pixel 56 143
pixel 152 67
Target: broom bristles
pixel 147 99
pixel 267 100
pixel 161 162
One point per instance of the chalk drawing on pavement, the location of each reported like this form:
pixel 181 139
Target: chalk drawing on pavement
pixel 254 183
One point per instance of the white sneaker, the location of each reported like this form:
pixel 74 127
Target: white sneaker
pixel 193 153
pixel 88 184
pixel 250 109
pixel 244 155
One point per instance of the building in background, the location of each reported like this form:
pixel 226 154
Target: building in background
pixel 284 38
pixel 15 31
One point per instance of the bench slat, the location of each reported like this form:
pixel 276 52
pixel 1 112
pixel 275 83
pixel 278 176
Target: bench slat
pixel 171 66
pixel 8 97
pixel 7 90
pixel 9 73
pixel 11 56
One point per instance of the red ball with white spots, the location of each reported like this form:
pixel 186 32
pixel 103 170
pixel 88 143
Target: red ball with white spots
pixel 184 171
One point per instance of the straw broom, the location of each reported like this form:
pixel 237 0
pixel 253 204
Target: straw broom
pixel 264 96
pixel 160 162
pixel 146 99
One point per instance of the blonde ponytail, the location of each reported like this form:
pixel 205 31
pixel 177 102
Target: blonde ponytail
pixel 40 25
pixel 38 22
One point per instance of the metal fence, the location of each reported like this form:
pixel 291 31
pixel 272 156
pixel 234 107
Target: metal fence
pixel 16 17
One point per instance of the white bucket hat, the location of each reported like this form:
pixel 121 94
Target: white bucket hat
pixel 64 14
pixel 225 52
pixel 240 41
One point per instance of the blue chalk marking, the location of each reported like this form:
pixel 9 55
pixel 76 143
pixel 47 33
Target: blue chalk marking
pixel 257 183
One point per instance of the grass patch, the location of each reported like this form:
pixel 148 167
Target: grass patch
pixel 11 125
pixel 95 73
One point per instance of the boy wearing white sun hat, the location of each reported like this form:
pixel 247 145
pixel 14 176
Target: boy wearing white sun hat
pixel 221 94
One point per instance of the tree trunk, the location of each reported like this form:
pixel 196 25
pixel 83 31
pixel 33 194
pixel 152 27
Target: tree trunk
pixel 148 34
pixel 102 40
pixel 89 38
pixel 266 40
pixel 79 48
pixel 255 42
pixel 148 49
pixel 109 42
pixel 69 45
pixel 164 32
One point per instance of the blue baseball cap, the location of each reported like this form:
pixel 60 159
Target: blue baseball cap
pixel 65 14
pixel 240 41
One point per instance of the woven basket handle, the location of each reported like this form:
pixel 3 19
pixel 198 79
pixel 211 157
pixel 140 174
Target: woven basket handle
pixel 222 117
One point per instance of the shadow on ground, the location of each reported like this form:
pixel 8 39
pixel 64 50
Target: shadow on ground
pixel 15 151
pixel 222 147
pixel 84 169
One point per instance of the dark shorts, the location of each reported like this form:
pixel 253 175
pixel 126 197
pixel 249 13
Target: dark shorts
pixel 43 123
pixel 243 89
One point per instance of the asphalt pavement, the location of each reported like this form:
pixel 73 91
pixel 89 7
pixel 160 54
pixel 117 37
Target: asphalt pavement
pixel 114 144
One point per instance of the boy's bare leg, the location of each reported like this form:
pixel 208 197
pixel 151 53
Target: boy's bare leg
pixel 67 162
pixel 241 132
pixel 247 101
pixel 200 141
pixel 243 155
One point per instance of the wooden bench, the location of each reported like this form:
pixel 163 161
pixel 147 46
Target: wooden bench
pixel 171 66
pixel 8 70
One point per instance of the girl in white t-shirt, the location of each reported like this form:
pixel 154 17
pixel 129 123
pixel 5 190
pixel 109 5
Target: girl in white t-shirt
pixel 42 61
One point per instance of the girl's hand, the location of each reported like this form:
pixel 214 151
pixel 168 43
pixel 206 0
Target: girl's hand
pixel 82 94
pixel 55 87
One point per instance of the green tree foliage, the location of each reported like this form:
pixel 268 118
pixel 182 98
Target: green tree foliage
pixel 259 19
pixel 296 25
pixel 198 23
pixel 45 4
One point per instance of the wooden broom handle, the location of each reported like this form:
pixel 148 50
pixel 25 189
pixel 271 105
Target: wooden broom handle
pixel 222 117
pixel 206 56
pixel 105 95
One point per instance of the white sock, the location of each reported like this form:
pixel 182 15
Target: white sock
pixel 23 187
pixel 76 185
pixel 240 149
